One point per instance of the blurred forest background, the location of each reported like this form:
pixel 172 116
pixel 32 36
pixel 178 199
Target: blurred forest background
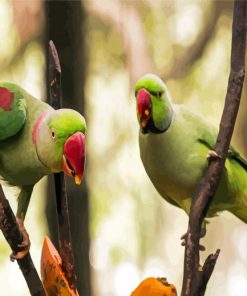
pixel 133 232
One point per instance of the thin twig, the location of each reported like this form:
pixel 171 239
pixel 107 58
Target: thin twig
pixel 196 278
pixel 65 242
pixel 14 238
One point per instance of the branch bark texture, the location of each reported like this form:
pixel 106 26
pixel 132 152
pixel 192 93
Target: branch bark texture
pixel 14 238
pixel 196 278
pixel 64 235
pixel 66 25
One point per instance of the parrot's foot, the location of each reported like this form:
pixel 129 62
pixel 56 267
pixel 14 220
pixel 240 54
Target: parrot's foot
pixel 184 238
pixel 212 155
pixel 24 247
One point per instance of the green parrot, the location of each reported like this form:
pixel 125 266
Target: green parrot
pixel 36 140
pixel 174 146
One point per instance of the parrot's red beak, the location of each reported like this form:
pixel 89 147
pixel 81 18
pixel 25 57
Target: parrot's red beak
pixel 74 156
pixel 144 106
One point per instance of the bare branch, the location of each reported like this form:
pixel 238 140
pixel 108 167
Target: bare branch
pixel 195 279
pixel 14 238
pixel 65 243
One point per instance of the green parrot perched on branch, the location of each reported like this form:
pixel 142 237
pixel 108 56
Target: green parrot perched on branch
pixel 174 146
pixel 36 140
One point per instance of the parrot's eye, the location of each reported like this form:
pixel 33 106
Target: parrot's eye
pixel 53 134
pixel 159 94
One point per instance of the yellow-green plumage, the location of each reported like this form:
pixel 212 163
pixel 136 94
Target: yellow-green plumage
pixel 175 159
pixel 28 150
pixel 19 163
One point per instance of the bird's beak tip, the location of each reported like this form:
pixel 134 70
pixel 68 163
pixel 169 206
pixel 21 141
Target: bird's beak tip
pixel 78 180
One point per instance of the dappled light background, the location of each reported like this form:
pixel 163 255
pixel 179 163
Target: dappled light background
pixel 134 233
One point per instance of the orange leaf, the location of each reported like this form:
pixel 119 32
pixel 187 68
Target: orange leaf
pixel 53 278
pixel 155 287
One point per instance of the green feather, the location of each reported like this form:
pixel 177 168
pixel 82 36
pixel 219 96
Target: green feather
pixel 66 122
pixel 27 150
pixel 175 160
pixel 12 121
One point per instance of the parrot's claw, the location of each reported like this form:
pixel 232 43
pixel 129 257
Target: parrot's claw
pixel 212 155
pixel 184 238
pixel 202 248
pixel 18 255
pixel 24 246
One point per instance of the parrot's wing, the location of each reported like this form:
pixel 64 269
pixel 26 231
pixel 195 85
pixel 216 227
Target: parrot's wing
pixel 12 110
pixel 232 153
pixel 209 138
pixel 171 201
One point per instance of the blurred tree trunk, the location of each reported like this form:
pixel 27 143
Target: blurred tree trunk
pixel 65 26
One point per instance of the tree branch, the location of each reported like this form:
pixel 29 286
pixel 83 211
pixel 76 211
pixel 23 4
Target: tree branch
pixel 14 238
pixel 196 278
pixel 65 242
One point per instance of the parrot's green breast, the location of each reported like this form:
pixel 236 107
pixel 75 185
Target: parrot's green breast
pixel 171 159
pixel 176 159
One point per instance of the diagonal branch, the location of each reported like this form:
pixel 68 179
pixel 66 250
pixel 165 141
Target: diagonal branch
pixel 196 278
pixel 64 234
pixel 14 238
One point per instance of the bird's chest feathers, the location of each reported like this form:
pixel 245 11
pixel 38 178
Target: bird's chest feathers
pixel 172 161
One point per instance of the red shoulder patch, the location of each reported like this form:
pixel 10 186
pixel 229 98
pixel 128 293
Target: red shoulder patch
pixel 6 98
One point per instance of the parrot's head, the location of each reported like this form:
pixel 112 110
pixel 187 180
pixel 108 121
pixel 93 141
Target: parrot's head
pixel 59 137
pixel 154 108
